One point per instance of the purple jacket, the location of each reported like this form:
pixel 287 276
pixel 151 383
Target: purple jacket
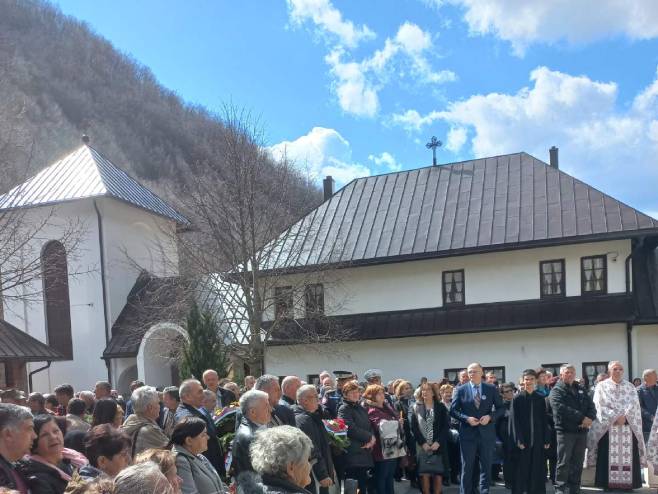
pixel 376 415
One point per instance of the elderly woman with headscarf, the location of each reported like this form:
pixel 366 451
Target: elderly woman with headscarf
pixel 280 458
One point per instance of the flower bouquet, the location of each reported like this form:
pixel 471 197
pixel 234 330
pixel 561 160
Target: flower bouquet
pixel 225 419
pixel 337 433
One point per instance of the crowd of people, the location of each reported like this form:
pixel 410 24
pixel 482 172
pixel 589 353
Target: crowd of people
pixel 296 437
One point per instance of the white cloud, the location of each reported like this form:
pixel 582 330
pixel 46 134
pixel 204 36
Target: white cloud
pixel 386 160
pixel 412 120
pixel 523 22
pixel 356 94
pixel 322 152
pixel 357 84
pixel 598 142
pixel 329 20
pixel 457 137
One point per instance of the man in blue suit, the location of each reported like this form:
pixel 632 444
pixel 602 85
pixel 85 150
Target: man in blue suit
pixel 477 405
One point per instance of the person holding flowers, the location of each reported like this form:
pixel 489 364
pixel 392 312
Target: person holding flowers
pixel 360 434
pixel 308 417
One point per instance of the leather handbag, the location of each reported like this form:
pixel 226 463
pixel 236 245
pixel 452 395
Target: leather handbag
pixel 429 463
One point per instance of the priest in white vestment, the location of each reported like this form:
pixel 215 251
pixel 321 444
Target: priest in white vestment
pixel 615 444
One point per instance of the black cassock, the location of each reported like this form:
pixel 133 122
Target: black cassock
pixel 529 426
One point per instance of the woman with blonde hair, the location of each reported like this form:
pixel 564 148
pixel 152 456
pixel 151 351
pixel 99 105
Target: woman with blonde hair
pixel 404 392
pixel 166 460
pixel 452 455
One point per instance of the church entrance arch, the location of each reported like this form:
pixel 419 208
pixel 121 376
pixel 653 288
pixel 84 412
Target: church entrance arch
pixel 158 355
pixel 125 378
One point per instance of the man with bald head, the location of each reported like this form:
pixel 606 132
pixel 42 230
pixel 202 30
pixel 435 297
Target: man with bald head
pixel 224 396
pixel 289 387
pixel 476 405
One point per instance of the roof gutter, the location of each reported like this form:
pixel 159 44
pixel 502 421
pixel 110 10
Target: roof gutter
pixel 29 376
pixel 101 247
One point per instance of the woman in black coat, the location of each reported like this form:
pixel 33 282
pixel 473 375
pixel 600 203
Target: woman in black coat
pixel 429 425
pixel 49 466
pixel 359 453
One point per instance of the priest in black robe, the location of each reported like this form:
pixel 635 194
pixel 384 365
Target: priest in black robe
pixel 532 437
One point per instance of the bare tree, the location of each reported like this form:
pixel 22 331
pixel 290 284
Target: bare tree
pixel 23 231
pixel 240 204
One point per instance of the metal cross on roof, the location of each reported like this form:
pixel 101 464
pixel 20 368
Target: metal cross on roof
pixel 433 144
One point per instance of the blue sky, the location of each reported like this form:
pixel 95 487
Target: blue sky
pixel 354 88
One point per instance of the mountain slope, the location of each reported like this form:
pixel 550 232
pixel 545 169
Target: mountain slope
pixel 59 80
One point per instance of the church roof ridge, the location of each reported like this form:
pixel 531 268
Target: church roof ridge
pixel 85 173
pixel 500 202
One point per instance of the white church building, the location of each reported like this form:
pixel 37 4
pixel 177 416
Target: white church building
pixel 124 245
pixel 506 260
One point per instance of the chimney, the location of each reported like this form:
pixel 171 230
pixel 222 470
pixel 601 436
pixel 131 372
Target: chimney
pixel 553 158
pixel 328 184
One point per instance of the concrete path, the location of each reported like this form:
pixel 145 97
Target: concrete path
pixel 404 488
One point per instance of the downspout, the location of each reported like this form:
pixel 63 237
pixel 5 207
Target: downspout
pixel 101 247
pixel 629 347
pixel 629 323
pixel 29 376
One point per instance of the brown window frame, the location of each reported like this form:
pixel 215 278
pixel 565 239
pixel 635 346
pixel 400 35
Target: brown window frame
pixel 595 364
pixel 313 379
pixel 604 290
pixel 444 292
pixel 447 372
pixel 494 368
pixel 553 368
pixel 314 301
pixel 562 283
pixel 279 311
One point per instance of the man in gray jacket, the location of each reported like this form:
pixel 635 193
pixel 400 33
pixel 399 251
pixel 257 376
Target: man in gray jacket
pixel 141 426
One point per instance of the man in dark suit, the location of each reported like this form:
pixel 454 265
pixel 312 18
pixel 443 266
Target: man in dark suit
pixel 476 405
pixel 224 396
pixel 289 387
pixel 648 394
pixel 281 414
pixel 191 396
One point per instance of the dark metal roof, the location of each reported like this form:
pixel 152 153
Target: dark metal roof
pixel 152 300
pixel 502 202
pixel 18 345
pixel 499 316
pixel 83 174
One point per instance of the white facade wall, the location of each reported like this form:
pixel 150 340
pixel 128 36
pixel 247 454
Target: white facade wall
pixel 127 231
pixel 645 348
pixel 134 239
pixel 413 358
pixel 85 296
pixel 491 277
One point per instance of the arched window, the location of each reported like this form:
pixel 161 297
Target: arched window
pixel 56 298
